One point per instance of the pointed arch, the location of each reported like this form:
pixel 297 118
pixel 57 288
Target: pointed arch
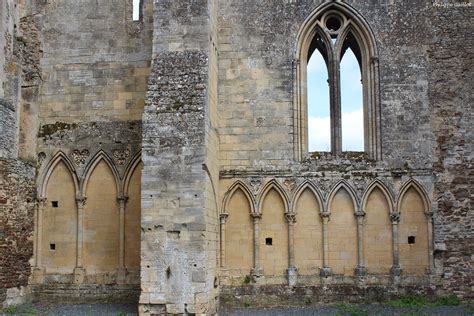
pixel 412 183
pixel 354 32
pixel 89 169
pixel 129 170
pixel 238 185
pixel 377 184
pixel 49 168
pixel 310 186
pixel 273 184
pixel 343 184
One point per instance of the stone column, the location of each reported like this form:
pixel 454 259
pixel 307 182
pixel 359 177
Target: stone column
pixel 257 271
pixel 38 270
pixel 325 270
pixel 292 271
pixel 79 271
pixel 395 271
pixel 121 271
pixel 430 269
pixel 360 270
pixel 223 220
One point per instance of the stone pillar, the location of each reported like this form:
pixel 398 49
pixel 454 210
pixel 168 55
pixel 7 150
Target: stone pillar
pixel 395 271
pixel 257 271
pixel 325 270
pixel 179 211
pixel 360 270
pixel 79 271
pixel 121 270
pixel 431 266
pixel 223 220
pixel 292 271
pixel 38 270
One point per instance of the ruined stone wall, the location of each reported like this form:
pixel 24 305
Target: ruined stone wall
pixel 179 218
pixel 84 128
pixel 258 45
pixel 9 81
pixel 17 202
pixel 451 100
pixel 17 177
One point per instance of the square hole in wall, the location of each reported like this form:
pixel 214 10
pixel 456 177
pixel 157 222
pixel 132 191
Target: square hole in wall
pixel 55 203
pixel 268 241
pixel 411 240
pixel 52 246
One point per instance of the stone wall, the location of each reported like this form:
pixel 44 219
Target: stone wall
pixel 17 203
pixel 451 102
pixel 178 205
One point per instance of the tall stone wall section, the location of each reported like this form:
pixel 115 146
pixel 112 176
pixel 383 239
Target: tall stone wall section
pixel 178 246
pixel 17 176
pixel 451 100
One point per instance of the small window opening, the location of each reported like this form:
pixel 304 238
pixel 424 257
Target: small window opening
pixel 411 240
pixel 268 241
pixel 55 203
pixel 136 10
pixel 319 121
pixel 52 246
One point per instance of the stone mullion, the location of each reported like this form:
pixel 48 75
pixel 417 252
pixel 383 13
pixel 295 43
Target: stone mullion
pixel 257 271
pixel 223 221
pixel 292 271
pixel 395 270
pixel 335 103
pixel 325 271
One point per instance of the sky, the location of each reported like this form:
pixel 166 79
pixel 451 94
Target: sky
pixel 136 10
pixel 351 104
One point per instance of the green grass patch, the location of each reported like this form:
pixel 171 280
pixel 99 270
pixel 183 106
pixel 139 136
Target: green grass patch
pixel 411 300
pixel 351 310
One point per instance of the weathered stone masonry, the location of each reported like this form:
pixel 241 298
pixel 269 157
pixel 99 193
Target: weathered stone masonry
pixel 163 161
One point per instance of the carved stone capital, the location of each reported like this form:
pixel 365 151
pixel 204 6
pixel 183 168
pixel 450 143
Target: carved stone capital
pixel 81 201
pixel 122 199
pixel 290 218
pixel 429 216
pixel 325 214
pixel 256 216
pixel 395 218
pixel 42 201
pixel 223 218
pixel 360 214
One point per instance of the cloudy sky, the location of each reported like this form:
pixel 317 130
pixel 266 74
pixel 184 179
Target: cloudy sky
pixel 351 102
pixel 136 10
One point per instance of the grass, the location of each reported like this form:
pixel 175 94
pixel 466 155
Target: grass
pixel 352 310
pixel 411 300
pixel 10 310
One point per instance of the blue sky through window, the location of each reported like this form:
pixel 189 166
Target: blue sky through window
pixel 351 104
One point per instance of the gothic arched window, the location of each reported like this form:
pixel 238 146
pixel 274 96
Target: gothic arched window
pixel 334 34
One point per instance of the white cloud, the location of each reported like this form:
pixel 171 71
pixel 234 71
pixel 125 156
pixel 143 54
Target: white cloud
pixel 136 10
pixel 319 132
